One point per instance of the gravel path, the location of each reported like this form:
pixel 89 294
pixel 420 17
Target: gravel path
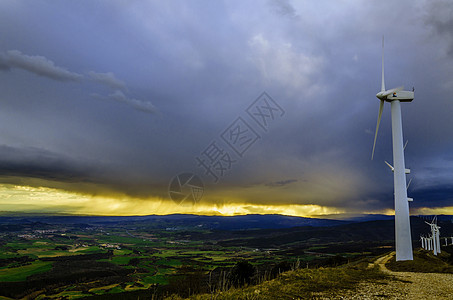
pixel 408 285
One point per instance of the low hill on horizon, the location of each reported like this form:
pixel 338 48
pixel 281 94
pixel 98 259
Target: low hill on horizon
pixel 180 221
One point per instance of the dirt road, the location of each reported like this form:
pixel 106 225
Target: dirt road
pixel 408 285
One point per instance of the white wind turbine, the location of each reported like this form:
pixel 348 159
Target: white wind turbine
pixel 437 237
pixel 435 232
pixel 427 242
pixel 395 96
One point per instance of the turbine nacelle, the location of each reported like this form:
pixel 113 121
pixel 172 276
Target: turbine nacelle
pixel 396 94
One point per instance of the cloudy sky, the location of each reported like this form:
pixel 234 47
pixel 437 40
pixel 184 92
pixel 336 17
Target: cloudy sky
pixel 103 103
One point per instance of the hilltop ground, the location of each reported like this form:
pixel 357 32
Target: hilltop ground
pixel 374 281
pixel 407 285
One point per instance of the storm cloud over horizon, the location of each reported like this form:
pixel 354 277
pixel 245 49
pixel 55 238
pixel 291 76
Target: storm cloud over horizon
pixel 113 99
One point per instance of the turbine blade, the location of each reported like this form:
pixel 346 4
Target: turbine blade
pixel 381 108
pixel 382 81
pixel 407 187
pixel 390 166
pixel 405 144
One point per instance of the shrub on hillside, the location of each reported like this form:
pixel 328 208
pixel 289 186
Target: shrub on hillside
pixel 241 274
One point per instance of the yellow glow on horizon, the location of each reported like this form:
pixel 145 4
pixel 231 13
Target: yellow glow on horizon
pixel 233 209
pixel 448 210
pixel 48 200
pixel 15 198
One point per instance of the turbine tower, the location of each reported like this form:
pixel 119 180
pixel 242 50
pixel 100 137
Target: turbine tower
pixel 395 96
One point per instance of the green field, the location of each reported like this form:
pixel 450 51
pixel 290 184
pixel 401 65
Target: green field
pixel 21 273
pixel 151 262
pixel 108 259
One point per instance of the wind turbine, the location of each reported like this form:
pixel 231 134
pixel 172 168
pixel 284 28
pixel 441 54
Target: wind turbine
pixel 425 242
pixel 395 96
pixel 428 239
pixel 435 232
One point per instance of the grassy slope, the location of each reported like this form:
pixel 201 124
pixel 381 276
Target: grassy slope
pixel 300 284
pixel 424 262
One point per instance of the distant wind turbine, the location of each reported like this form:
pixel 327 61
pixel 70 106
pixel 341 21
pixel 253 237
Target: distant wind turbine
pixel 395 96
pixel 430 243
pixel 435 232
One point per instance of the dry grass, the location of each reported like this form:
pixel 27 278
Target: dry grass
pixel 424 262
pixel 300 284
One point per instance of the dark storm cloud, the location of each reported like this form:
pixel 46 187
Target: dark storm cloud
pixel 42 66
pixel 433 196
pixel 137 104
pixel 281 183
pixel 119 96
pixel 202 64
pixel 39 163
pixel 283 7
pixel 3 65
pixel 441 18
pixel 108 79
pixel 38 167
pixel 38 65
